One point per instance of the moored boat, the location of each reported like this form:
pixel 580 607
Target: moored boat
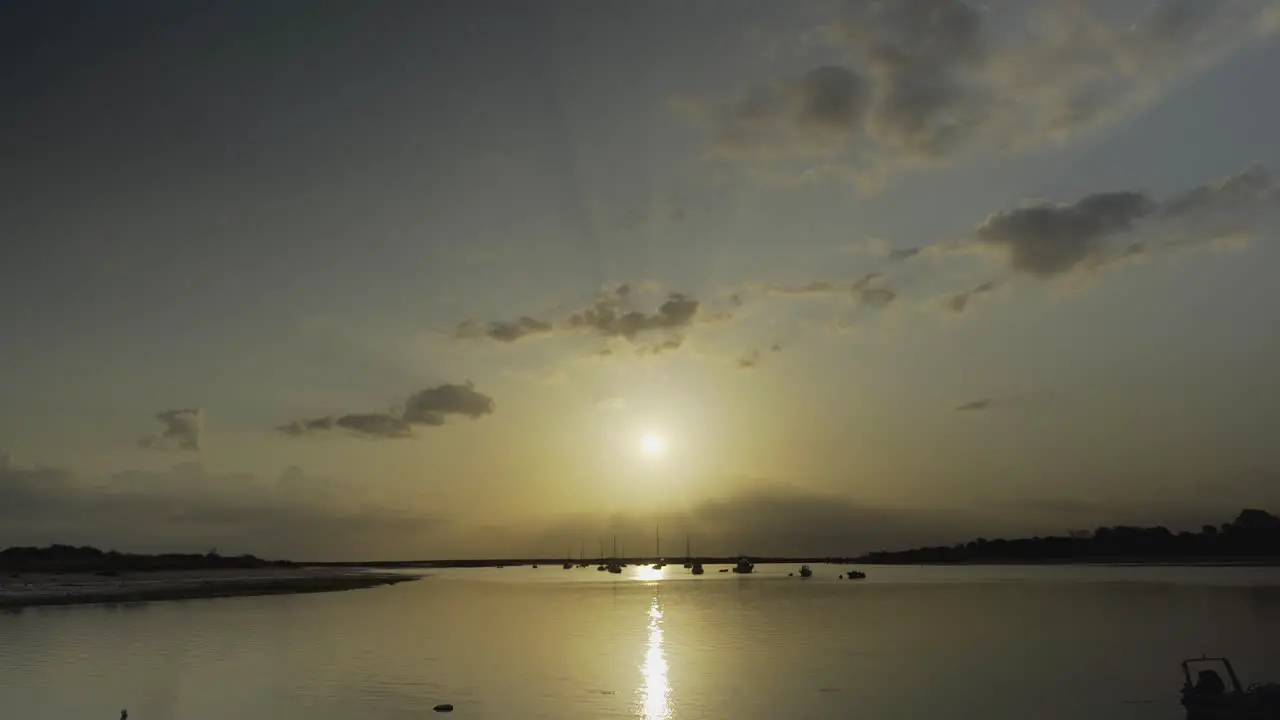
pixel 1210 698
pixel 744 566
pixel 805 571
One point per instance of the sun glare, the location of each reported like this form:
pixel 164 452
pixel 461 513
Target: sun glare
pixel 652 445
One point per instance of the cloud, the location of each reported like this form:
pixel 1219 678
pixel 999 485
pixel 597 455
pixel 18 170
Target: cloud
pixel 972 405
pixel 425 408
pixel 1236 192
pixel 507 331
pixel 183 430
pixel 606 317
pixel 861 290
pixel 959 302
pixel 1045 240
pixel 918 82
pixel 618 312
pixel 671 343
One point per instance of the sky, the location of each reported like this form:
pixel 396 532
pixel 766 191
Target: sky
pixel 346 280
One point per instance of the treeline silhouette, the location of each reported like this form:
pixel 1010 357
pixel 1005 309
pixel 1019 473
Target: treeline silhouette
pixel 1254 534
pixel 85 559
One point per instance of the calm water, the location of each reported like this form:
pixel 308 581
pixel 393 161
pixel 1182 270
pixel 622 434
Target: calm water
pixel 1093 643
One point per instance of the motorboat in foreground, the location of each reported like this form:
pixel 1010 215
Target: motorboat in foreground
pixel 743 567
pixel 696 568
pixel 1209 698
pixel 805 571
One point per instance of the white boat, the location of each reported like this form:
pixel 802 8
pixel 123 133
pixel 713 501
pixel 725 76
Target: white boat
pixel 1209 698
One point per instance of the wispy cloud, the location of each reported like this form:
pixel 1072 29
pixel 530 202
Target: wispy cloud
pixel 920 82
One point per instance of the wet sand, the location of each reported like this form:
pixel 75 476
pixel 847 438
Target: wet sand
pixel 31 589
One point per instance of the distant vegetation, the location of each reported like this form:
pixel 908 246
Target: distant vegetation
pixel 1254 534
pixel 70 559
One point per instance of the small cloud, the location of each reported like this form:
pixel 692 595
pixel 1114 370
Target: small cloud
pixel 425 408
pixel 671 343
pixel 183 430
pixel 750 361
pixel 613 403
pixel 876 297
pixel 982 404
pixel 506 331
pixel 959 302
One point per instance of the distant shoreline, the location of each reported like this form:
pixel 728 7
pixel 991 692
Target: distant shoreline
pixel 45 589
pixel 549 564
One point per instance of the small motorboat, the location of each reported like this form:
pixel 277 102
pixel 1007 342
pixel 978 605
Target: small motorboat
pixel 696 568
pixel 601 568
pixel 805 571
pixel 1209 698
pixel 855 575
pixel 743 567
pixel 614 568
pixel 567 565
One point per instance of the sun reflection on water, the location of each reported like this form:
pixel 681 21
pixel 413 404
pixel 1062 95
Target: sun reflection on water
pixel 647 572
pixel 655 693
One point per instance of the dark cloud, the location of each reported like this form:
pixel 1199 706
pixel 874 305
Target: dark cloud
pixel 926 80
pixel 982 404
pixel 750 361
pixel 607 317
pixel 428 408
pixel 904 253
pixel 826 104
pixel 187 509
pixel 916 50
pixel 613 314
pixel 503 330
pixel 875 297
pixel 1047 240
pixel 183 430
pixel 960 301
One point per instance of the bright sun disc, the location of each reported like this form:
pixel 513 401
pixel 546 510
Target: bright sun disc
pixel 652 445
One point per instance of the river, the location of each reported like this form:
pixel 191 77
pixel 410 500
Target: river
pixel 908 642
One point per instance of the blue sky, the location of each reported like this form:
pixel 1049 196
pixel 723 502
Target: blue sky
pixel 223 220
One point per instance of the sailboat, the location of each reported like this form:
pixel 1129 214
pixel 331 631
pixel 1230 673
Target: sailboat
pixel 688 557
pixel 657 548
pixel 614 567
pixel 601 567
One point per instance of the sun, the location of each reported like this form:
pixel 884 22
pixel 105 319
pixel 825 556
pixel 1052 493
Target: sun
pixel 652 445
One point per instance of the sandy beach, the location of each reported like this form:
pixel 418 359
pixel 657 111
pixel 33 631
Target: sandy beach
pixel 31 589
